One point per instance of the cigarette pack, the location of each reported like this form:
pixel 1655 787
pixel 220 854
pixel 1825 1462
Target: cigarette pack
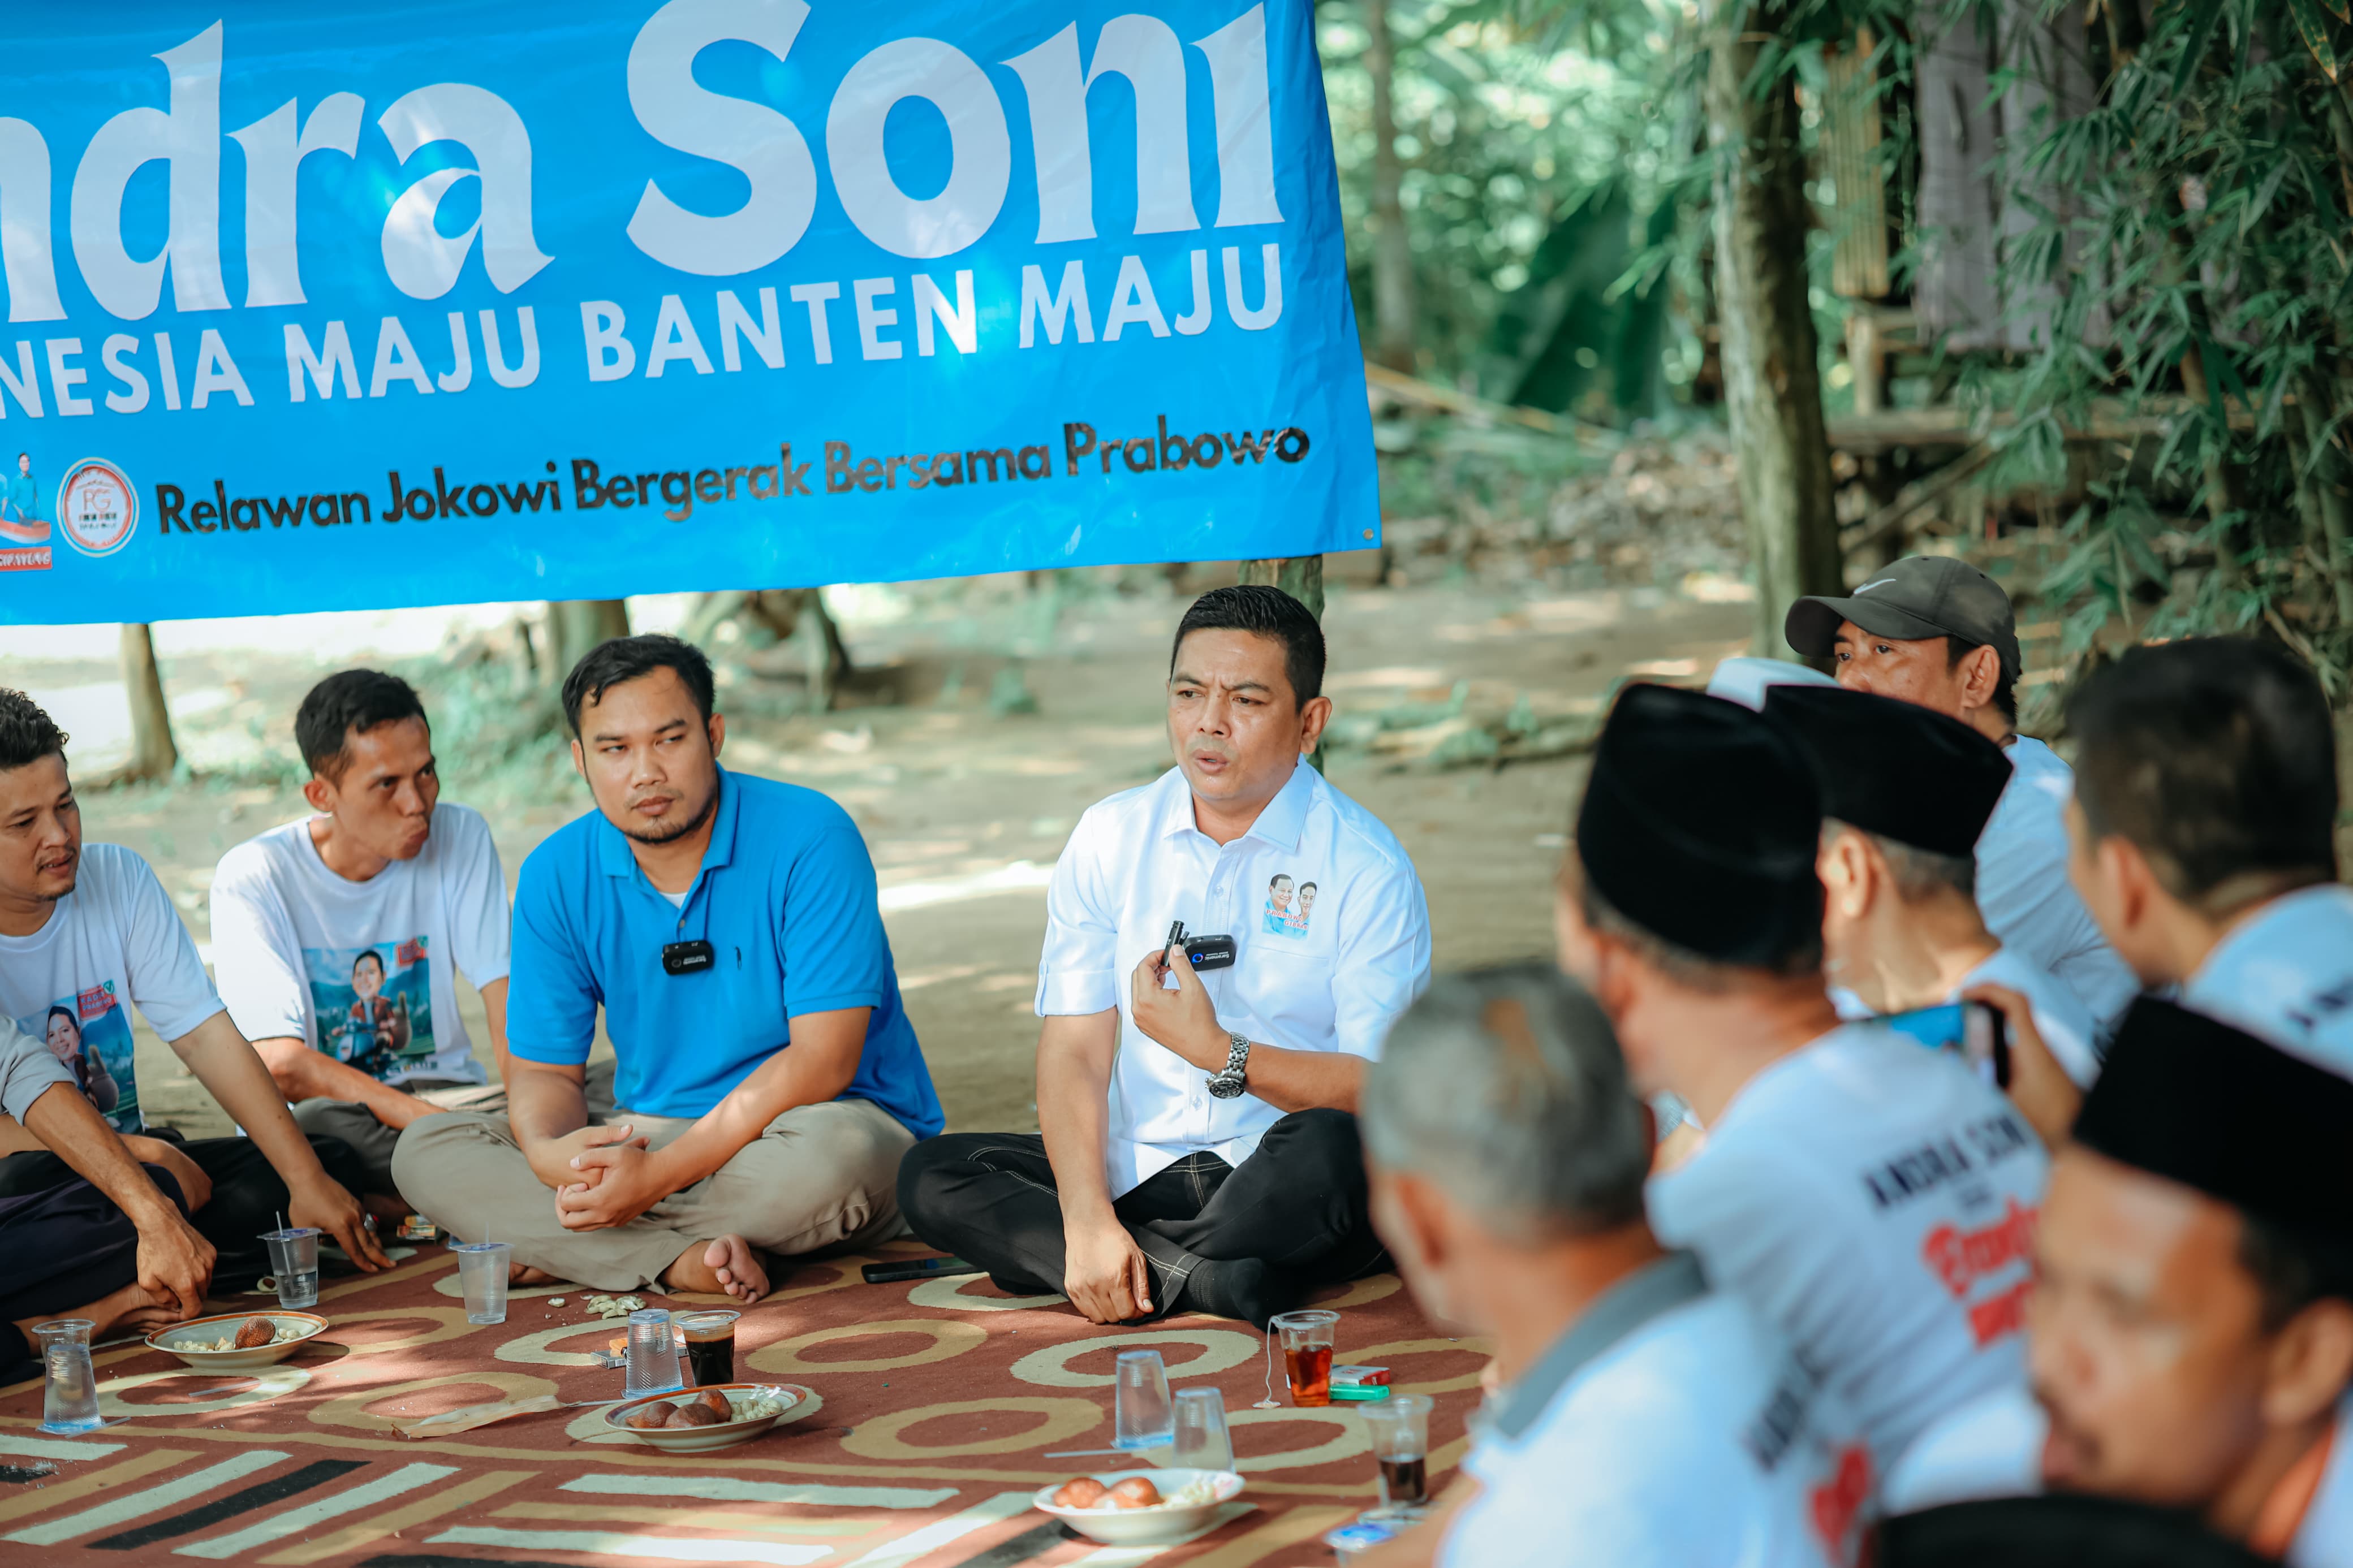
pixel 1360 1376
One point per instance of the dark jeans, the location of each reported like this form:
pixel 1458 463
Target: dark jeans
pixel 67 1246
pixel 247 1195
pixel 1297 1204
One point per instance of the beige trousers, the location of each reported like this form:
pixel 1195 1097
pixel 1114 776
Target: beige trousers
pixel 821 1176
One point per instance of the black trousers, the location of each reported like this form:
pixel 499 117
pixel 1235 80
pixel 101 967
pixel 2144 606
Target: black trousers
pixel 1297 1204
pixel 247 1195
pixel 66 1246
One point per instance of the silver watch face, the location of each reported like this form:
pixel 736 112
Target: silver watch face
pixel 1224 1087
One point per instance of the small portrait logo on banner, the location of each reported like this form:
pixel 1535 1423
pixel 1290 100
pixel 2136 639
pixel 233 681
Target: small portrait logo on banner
pixel 98 507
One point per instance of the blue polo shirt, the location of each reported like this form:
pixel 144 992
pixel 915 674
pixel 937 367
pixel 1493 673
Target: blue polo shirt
pixel 786 897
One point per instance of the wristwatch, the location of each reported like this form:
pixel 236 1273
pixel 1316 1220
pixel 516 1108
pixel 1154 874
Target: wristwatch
pixel 1227 1084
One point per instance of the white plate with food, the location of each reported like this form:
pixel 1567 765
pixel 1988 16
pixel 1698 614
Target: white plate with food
pixel 1140 1508
pixel 237 1341
pixel 698 1420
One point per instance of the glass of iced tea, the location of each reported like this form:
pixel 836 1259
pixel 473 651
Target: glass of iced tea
pixel 1307 1353
pixel 1399 1426
pixel 710 1346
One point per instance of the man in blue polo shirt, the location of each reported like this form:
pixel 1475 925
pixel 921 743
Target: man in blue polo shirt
pixel 728 925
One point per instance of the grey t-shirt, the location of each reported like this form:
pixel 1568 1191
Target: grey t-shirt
pixel 27 1068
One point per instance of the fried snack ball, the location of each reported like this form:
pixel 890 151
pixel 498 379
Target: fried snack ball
pixel 1135 1492
pixel 691 1415
pixel 710 1399
pixel 257 1332
pixel 1084 1492
pixel 645 1417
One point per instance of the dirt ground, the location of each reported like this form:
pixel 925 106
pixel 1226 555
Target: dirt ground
pixel 966 810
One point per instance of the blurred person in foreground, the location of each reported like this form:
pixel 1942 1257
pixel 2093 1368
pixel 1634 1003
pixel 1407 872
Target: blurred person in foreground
pixel 1872 1198
pixel 1644 1417
pixel 1936 631
pixel 2192 1324
pixel 1905 794
pixel 1197 1147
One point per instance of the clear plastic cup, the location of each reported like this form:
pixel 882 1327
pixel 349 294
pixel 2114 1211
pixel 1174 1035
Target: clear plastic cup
pixel 69 1402
pixel 294 1258
pixel 652 1355
pixel 1202 1441
pixel 482 1272
pixel 1307 1353
pixel 1399 1426
pixel 1142 1414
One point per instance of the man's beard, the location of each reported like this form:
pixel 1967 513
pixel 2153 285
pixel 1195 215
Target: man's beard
pixel 659 836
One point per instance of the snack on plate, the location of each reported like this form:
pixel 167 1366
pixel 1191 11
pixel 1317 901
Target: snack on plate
pixel 252 1335
pixel 1083 1492
pixel 645 1417
pixel 758 1406
pixel 257 1332
pixel 694 1414
pixel 710 1399
pixel 1135 1492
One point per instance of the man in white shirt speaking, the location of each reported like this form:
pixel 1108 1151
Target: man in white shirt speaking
pixel 1938 632
pixel 1643 1419
pixel 1907 791
pixel 1199 1147
pixel 1874 1199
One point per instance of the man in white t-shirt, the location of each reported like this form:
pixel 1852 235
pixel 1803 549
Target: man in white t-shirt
pixel 1198 1148
pixel 89 932
pixel 2192 1322
pixel 1642 1416
pixel 1938 632
pixel 2205 824
pixel 1906 793
pixel 337 940
pixel 1873 1199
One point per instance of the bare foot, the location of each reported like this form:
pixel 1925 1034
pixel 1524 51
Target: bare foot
pixel 130 1310
pixel 727 1265
pixel 524 1274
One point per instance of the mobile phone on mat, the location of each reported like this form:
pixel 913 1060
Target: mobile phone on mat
pixel 918 1268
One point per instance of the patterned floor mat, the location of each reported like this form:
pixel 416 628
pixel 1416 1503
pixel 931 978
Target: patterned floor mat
pixel 936 1404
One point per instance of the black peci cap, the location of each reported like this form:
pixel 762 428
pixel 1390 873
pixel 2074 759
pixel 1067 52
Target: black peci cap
pixel 2062 1531
pixel 1895 768
pixel 1917 598
pixel 1699 823
pixel 2189 1098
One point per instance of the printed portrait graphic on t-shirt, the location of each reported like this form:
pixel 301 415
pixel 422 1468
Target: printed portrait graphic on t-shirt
pixel 1289 902
pixel 374 1005
pixel 90 1033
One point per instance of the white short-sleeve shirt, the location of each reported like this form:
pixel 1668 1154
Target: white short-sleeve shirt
pixel 2024 893
pixel 2286 975
pixel 300 952
pixel 1689 1435
pixel 1330 928
pixel 28 1070
pixel 1875 1201
pixel 112 943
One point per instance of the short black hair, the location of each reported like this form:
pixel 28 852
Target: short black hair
pixel 2215 758
pixel 1269 613
pixel 26 733
pixel 618 660
pixel 2294 1266
pixel 2005 690
pixel 368 952
pixel 349 702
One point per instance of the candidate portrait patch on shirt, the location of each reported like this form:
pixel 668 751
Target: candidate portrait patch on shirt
pixel 1290 904
pixel 89 1032
pixel 374 1003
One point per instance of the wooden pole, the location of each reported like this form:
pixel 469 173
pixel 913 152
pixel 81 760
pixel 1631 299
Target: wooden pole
pixel 1301 577
pixel 576 626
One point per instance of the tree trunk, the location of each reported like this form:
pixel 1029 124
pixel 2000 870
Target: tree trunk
pixel 1393 311
pixel 152 754
pixel 1301 577
pixel 1772 384
pixel 576 626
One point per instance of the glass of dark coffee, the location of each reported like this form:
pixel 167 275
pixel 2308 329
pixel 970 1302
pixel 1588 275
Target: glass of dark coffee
pixel 1399 1426
pixel 710 1346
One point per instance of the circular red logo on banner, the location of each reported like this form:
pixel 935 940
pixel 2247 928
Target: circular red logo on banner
pixel 97 508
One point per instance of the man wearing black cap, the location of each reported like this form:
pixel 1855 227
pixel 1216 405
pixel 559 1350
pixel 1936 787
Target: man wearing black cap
pixel 2193 1339
pixel 1907 791
pixel 1938 632
pixel 2205 819
pixel 1873 1199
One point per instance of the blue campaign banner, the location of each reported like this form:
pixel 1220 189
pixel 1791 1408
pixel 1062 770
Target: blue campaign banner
pixel 395 303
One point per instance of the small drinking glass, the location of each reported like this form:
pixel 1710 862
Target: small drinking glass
pixel 1401 1432
pixel 1202 1442
pixel 294 1258
pixel 482 1273
pixel 1307 1354
pixel 1142 1415
pixel 69 1402
pixel 652 1355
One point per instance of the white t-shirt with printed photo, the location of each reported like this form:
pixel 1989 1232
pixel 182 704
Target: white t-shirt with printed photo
pixel 2286 975
pixel 1875 1201
pixel 112 943
pixel 363 971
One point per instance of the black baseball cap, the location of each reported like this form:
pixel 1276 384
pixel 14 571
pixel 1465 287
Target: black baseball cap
pixel 1916 598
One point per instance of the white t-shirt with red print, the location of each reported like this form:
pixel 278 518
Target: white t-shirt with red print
pixel 1875 1201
